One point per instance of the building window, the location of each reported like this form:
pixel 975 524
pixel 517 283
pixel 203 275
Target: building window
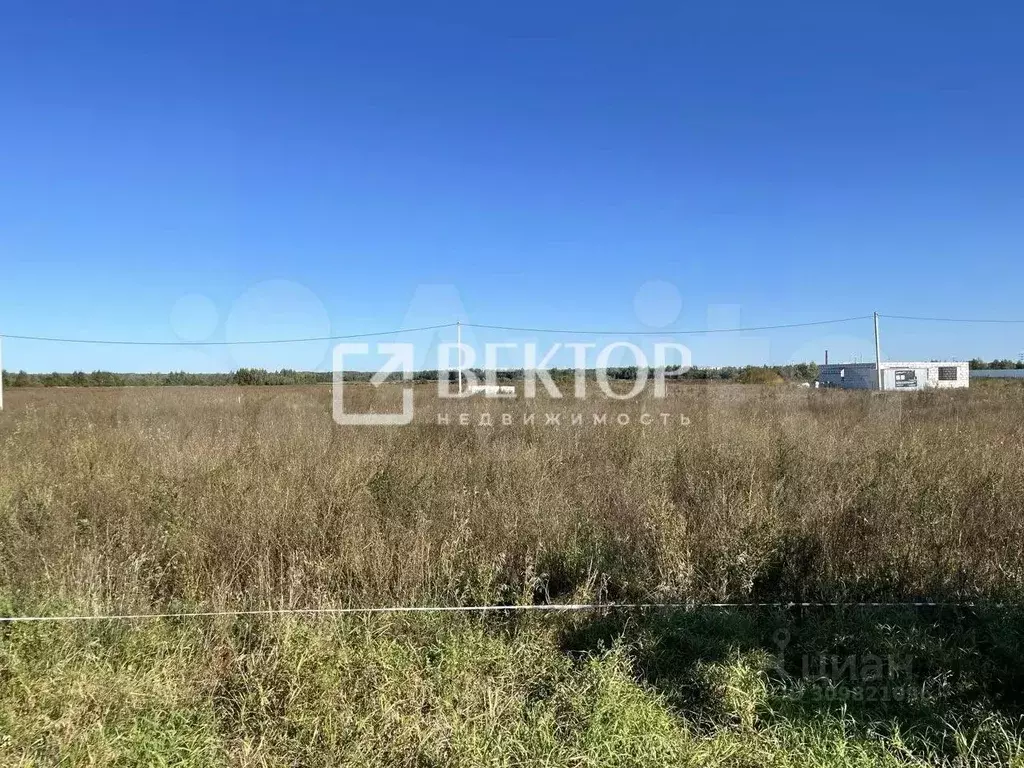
pixel 947 373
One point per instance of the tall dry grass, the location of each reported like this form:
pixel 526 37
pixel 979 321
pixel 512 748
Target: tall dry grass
pixel 143 498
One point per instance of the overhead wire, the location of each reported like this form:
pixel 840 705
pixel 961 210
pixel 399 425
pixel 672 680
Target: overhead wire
pixel 125 342
pixel 664 331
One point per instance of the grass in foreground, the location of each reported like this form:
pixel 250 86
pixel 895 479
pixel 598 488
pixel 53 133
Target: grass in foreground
pixel 695 689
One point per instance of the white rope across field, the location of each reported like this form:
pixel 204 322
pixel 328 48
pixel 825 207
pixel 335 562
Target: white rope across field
pixel 548 608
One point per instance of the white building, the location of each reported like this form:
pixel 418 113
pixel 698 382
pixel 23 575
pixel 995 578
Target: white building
pixel 493 390
pixel 896 377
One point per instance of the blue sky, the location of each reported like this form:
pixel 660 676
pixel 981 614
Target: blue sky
pixel 174 171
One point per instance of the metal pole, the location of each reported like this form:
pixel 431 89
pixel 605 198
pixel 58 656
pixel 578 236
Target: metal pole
pixel 878 355
pixel 1 373
pixel 458 332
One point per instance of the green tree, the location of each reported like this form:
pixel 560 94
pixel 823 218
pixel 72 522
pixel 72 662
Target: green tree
pixel 250 376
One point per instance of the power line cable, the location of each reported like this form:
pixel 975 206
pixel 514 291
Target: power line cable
pixel 512 328
pixel 667 331
pixel 224 343
pixel 570 331
pixel 947 319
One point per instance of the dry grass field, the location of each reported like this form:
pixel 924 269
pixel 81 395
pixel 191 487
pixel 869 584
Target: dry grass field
pixel 139 500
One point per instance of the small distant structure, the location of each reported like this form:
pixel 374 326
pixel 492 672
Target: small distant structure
pixel 493 390
pixel 896 377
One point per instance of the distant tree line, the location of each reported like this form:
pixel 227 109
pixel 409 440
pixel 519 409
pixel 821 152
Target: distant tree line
pixel 799 372
pixel 996 365
pixel 173 379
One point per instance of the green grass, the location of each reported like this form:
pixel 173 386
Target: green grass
pixel 701 688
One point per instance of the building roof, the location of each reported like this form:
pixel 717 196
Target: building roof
pixel 831 367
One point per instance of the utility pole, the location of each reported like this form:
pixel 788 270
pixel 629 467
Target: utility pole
pixel 458 339
pixel 878 355
pixel 1 373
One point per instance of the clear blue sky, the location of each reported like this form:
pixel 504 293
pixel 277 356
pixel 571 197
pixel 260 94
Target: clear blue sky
pixel 251 170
